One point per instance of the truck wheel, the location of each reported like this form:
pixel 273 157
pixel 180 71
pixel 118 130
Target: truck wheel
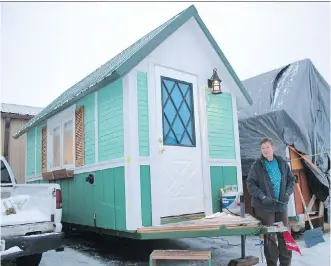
pixel 30 260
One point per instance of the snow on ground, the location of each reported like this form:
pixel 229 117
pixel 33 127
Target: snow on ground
pixel 68 257
pixel 221 251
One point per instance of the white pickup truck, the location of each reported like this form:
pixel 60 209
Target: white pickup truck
pixel 30 219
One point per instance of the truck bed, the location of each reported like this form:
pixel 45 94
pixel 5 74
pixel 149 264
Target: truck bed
pixel 31 204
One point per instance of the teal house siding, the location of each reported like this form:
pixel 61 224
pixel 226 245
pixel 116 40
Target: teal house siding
pixel 30 153
pixel 38 147
pixel 110 121
pixel 146 195
pixel 220 126
pixel 89 127
pixel 143 122
pixel 221 176
pixel 104 200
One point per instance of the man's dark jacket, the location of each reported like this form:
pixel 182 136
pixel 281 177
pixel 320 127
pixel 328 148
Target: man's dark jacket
pixel 259 185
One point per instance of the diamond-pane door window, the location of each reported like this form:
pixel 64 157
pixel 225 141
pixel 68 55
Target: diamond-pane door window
pixel 178 113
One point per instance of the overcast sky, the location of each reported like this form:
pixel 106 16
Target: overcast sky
pixel 48 47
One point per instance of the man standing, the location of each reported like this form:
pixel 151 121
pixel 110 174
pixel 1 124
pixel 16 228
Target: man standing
pixel 270 183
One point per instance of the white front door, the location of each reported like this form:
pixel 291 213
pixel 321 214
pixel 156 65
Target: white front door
pixel 179 162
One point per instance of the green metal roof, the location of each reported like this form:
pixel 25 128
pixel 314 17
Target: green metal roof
pixel 122 63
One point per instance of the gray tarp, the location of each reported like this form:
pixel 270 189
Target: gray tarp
pixel 292 106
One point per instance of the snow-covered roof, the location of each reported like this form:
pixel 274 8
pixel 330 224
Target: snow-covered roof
pixel 20 109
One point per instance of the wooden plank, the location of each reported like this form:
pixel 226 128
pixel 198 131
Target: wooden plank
pixel 248 261
pixel 321 209
pixel 191 228
pixel 311 203
pixel 180 255
pixel 314 217
pixel 58 174
pixel 205 224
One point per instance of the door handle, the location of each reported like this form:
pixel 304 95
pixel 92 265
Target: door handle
pixel 161 147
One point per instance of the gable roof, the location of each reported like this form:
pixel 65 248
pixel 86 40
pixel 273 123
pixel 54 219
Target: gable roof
pixel 122 63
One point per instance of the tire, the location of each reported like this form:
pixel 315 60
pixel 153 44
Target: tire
pixel 30 260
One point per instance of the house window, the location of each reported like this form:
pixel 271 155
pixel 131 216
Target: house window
pixel 68 138
pixel 56 147
pixel 61 141
pixel 178 113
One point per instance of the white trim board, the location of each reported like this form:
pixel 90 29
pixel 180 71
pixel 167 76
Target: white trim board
pixel 96 128
pixel 237 143
pixel 35 150
pixel 131 152
pixel 205 148
pixel 90 168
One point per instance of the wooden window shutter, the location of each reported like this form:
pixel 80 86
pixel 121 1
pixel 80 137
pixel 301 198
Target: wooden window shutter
pixel 44 150
pixel 79 133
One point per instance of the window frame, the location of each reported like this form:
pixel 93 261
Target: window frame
pixel 190 85
pixel 60 120
pixel 52 147
pixel 73 143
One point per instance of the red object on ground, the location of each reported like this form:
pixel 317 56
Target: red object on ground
pixel 290 243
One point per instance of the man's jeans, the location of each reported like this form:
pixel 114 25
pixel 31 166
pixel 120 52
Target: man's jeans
pixel 273 252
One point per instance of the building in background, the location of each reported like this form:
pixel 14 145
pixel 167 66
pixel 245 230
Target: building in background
pixel 14 117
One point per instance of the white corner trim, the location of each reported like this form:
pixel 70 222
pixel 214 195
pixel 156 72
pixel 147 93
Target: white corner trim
pixel 153 136
pixel 131 152
pixel 96 129
pixel 35 150
pixel 26 155
pixel 237 143
pixel 127 142
pixel 204 148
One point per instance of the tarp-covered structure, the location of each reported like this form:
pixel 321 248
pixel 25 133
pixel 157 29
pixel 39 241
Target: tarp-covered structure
pixel 291 105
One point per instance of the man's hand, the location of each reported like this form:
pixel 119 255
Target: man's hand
pixel 266 200
pixel 286 197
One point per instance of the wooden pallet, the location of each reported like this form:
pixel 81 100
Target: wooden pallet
pixel 179 255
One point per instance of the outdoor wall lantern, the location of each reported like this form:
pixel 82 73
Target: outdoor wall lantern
pixel 215 83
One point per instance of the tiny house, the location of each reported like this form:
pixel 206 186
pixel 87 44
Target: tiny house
pixel 147 136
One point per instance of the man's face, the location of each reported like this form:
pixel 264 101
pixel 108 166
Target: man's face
pixel 267 150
